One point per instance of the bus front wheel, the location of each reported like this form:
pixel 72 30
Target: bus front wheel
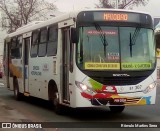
pixel 117 109
pixel 57 106
pixel 54 97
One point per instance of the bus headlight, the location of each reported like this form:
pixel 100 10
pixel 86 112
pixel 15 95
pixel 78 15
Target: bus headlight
pixel 85 88
pixel 81 85
pixel 150 88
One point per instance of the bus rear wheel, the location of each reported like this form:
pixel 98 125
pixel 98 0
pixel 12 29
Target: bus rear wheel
pixel 116 109
pixel 17 94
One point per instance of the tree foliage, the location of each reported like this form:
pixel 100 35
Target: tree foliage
pixel 16 13
pixel 122 4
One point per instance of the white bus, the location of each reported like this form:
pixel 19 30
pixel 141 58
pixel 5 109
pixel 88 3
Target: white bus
pixel 89 58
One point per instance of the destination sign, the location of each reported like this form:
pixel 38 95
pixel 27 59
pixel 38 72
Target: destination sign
pixel 102 66
pixel 134 66
pixel 116 16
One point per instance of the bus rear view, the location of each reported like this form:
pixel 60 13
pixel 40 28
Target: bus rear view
pixel 115 57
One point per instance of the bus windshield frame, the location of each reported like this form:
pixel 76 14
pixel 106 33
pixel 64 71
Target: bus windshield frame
pixel 115 46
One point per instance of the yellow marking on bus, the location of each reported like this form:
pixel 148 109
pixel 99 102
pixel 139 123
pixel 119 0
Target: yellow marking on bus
pixel 16 72
pixel 140 102
pixel 131 66
pixel 158 52
pixel 101 66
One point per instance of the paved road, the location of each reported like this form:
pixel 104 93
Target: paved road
pixel 40 110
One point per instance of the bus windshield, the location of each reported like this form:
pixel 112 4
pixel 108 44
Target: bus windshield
pixel 115 48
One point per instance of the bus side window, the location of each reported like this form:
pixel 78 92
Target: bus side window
pixel 15 51
pixel 52 41
pixel 19 45
pixel 43 42
pixel 34 46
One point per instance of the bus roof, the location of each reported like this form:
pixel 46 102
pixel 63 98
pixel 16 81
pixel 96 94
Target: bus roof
pixel 34 26
pixel 73 14
pixel 122 10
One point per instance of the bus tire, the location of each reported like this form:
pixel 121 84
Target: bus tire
pixel 58 108
pixel 17 94
pixel 54 98
pixel 116 109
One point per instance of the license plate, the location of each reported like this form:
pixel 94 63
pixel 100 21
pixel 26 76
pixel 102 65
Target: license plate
pixel 120 100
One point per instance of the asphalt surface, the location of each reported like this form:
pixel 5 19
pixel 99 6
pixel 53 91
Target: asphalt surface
pixel 11 115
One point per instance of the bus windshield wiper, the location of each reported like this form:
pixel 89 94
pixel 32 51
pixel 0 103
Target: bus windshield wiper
pixel 130 44
pixel 81 46
pixel 102 37
pixel 133 39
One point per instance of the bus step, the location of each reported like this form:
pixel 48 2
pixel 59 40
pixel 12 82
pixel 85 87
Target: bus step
pixel 26 94
pixel 66 101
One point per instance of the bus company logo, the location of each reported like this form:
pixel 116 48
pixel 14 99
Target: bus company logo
pixel 45 67
pixel 121 75
pixel 109 89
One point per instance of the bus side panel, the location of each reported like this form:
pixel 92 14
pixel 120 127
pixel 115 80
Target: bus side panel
pixel 40 73
pixel 76 99
pixel 15 70
pixel 34 74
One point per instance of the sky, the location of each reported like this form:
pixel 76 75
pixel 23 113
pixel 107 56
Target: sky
pixel 70 5
pixel 153 6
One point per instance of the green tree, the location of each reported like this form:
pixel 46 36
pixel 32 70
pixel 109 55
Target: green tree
pixel 122 4
pixel 16 13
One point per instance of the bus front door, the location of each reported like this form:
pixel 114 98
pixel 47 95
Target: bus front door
pixel 25 65
pixel 65 64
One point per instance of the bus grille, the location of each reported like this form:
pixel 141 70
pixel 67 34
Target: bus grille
pixel 117 81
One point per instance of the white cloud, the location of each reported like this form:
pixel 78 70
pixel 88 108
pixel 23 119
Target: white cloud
pixel 70 5
pixel 153 6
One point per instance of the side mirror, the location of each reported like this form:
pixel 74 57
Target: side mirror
pixel 74 38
